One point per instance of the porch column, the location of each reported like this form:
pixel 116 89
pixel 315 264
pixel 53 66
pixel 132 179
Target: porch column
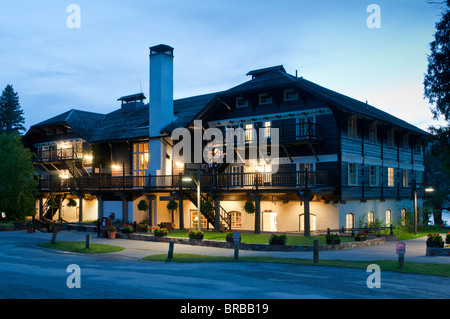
pixel 180 209
pixel 80 207
pixel 217 200
pixel 124 209
pixel 60 207
pixel 257 200
pixel 150 199
pixel 306 197
pixel 41 207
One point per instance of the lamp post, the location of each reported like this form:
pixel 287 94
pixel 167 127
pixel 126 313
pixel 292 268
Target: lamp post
pixel 197 183
pixel 415 191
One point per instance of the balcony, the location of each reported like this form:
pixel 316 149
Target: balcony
pixel 233 182
pixel 57 155
pixel 298 133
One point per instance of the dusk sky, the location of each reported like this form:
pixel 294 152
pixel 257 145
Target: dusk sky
pixel 55 68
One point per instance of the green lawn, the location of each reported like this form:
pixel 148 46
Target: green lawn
pixel 80 247
pixel 258 238
pixel 385 265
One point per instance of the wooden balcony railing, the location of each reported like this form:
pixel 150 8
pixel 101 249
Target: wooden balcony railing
pixel 58 155
pixel 226 181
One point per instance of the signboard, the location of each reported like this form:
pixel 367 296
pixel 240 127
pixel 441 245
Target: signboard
pixel 236 237
pixel 400 248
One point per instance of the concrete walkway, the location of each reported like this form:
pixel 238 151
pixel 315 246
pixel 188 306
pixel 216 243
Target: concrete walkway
pixel 134 249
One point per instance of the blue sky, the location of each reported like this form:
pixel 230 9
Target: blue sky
pixel 55 68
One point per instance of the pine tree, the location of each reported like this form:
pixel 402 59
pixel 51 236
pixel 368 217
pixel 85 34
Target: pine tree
pixel 11 116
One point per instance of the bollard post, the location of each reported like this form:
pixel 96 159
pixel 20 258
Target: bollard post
pixel 236 251
pixel 88 241
pixel 316 251
pixel 170 253
pixel 55 233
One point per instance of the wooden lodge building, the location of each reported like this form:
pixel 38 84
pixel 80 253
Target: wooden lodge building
pixel 341 162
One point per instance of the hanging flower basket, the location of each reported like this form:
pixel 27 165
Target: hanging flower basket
pixel 195 234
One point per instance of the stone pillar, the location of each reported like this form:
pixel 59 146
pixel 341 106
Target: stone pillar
pixel 80 207
pixel 257 200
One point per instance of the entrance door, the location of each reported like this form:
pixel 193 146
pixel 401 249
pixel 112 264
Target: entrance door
pixel 269 221
pixel 312 222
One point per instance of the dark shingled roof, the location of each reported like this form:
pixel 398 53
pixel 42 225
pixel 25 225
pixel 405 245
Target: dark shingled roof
pixel 127 124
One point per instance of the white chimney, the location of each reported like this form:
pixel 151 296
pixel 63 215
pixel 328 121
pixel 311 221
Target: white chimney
pixel 161 88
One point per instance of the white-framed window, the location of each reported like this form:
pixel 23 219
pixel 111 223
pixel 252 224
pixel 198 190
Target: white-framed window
pixel 391 177
pixel 388 217
pixel 236 219
pixel 194 220
pixel 140 162
pixel 241 102
pixel 374 175
pixel 352 128
pixel 405 178
pixel 267 127
pixel 352 174
pixel 390 142
pixel 290 95
pixel 349 221
pixel 370 218
pixel 249 133
pixel 265 98
pixel 373 133
pixel 304 127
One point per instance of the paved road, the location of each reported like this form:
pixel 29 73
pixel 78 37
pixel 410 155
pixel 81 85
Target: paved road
pixel 27 271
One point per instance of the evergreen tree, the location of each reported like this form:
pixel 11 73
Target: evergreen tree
pixel 18 184
pixel 11 116
pixel 437 79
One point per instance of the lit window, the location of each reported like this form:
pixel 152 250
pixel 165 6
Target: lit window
pixel 370 219
pixel 236 219
pixel 388 217
pixel 194 220
pixel 352 128
pixel 248 133
pixel 140 162
pixel 405 178
pixel 349 221
pixel 267 126
pixel 391 176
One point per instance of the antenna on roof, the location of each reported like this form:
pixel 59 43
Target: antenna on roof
pixel 296 76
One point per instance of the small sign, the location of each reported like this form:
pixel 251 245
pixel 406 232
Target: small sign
pixel 400 248
pixel 236 237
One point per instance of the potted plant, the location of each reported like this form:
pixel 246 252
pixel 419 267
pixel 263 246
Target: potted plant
pixel 195 234
pixel 111 232
pixel 447 238
pixel 435 241
pixel 229 236
pixel 361 236
pixel 72 203
pixel 333 239
pixel 127 229
pixel 277 239
pixel 30 227
pixel 142 205
pixel 249 207
pixel 160 232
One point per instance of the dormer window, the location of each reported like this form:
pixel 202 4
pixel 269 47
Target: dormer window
pixel 265 98
pixel 290 95
pixel 241 102
pixel 58 131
